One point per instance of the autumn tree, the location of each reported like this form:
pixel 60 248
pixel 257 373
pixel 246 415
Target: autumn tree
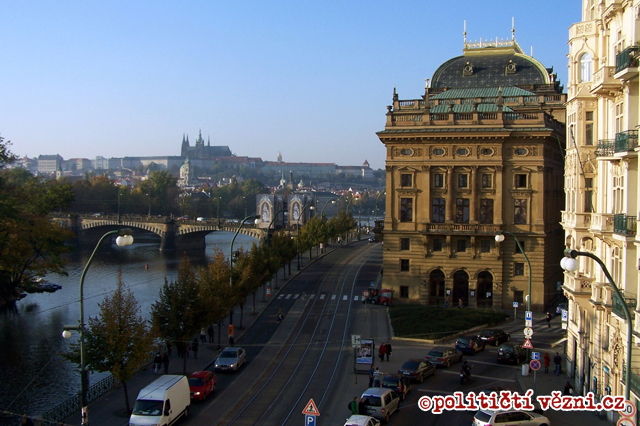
pixel 217 295
pixel 118 339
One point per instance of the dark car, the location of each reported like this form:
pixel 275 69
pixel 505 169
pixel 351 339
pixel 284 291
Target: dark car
pixel 399 383
pixel 417 369
pixel 469 345
pixel 443 356
pixel 201 384
pixel 494 337
pixel 511 353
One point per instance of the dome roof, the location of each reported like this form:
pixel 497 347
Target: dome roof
pixel 490 67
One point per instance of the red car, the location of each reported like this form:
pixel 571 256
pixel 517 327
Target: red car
pixel 201 384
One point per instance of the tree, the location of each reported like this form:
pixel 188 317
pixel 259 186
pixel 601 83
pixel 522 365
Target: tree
pixel 117 340
pixel 217 295
pixel 161 187
pixel 178 313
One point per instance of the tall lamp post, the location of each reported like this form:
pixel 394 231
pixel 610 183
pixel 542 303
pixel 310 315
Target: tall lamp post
pixel 347 211
pixel 124 239
pixel 570 263
pixel 271 223
pixel 500 238
pixel 325 205
pixel 149 199
pixel 255 217
pixel 377 198
pixel 218 212
pixel 298 231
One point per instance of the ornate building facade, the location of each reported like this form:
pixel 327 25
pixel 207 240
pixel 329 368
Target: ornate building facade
pixel 601 185
pixel 477 154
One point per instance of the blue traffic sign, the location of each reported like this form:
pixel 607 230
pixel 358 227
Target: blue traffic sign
pixel 534 364
pixel 515 304
pixel 309 420
pixel 528 315
pixel 535 355
pixel 564 315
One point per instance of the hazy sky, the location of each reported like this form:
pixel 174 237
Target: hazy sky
pixel 310 79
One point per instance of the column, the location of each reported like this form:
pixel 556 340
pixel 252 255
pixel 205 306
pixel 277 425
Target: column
pixel 426 189
pixel 473 202
pixel 448 216
pixel 390 201
pixel 500 196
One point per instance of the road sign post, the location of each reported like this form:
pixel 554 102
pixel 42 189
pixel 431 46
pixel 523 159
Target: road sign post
pixel 515 311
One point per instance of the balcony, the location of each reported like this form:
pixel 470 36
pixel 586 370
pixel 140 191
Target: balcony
pixel 616 306
pixel 626 141
pixel 606 148
pixel 627 63
pixel 465 228
pixel 624 225
pixel 578 283
pixel 601 222
pixel 604 82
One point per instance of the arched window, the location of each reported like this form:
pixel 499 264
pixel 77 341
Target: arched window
pixel 585 68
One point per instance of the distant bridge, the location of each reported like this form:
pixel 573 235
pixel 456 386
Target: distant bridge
pixel 174 234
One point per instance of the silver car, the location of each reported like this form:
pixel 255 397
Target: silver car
pixel 380 403
pixel 231 358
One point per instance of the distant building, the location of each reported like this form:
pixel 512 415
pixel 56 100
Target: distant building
pixel 49 164
pixel 76 164
pixel 202 151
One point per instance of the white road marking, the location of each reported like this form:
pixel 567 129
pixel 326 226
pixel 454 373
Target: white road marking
pixel 288 296
pixel 355 298
pixel 296 296
pixel 333 297
pixel 322 297
pixel 312 296
pixel 345 297
pixel 280 296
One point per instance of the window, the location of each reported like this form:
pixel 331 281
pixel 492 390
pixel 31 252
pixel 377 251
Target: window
pixel 463 180
pixel 521 181
pixel 437 244
pixel 518 296
pixel 486 210
pixel 438 151
pixel 405 180
pixel 518 269
pixel 407 151
pixel 438 180
pixel 619 117
pixel 487 180
pixel 518 251
pixel 521 151
pixel 588 194
pixel 588 128
pixel 404 264
pixel 462 151
pixel 520 212
pixel 404 243
pixel 485 246
pixel 462 210
pixel 437 210
pixel 461 245
pixel 487 151
pixel 585 68
pixel 404 291
pixel 406 209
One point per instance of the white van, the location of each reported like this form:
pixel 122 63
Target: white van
pixel 162 402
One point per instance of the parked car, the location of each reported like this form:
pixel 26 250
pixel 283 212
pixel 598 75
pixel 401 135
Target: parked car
pixel 373 240
pixel 359 420
pixel 399 383
pixel 185 217
pixel 231 358
pixel 509 417
pixel 380 403
pixel 561 306
pixel 443 356
pixel 201 384
pixel 379 297
pixel 201 219
pixel 417 369
pixel 494 337
pixel 469 345
pixel 511 353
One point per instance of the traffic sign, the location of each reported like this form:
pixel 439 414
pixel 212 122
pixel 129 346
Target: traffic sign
pixel 564 325
pixel 564 315
pixel 629 409
pixel 309 420
pixel 528 323
pixel 626 421
pixel 365 294
pixel 355 341
pixel 534 364
pixel 527 344
pixel 515 304
pixel 535 355
pixel 311 409
pixel 528 332
pixel 528 315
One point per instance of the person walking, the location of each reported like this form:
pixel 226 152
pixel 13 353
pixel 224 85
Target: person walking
pixel 280 314
pixel 381 351
pixel 165 362
pixel 194 347
pixel 156 363
pixel 377 378
pixel 548 320
pixel 371 376
pixel 388 351
pixel 231 341
pixel 557 360
pixel 362 406
pixel 460 303
pixel 567 389
pixel 354 405
pixel 203 335
pixel 210 333
pixel 547 361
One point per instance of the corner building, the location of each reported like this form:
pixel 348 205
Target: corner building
pixel 478 153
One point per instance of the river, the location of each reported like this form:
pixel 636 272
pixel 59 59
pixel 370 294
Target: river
pixel 34 376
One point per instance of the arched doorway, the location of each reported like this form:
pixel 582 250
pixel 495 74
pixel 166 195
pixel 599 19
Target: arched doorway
pixel 461 288
pixel 436 287
pixel 484 288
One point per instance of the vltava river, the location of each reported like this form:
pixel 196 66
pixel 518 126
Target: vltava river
pixel 33 376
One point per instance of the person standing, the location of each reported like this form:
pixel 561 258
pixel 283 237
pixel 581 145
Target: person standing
pixel 165 362
pixel 156 363
pixel 446 301
pixel 388 350
pixel 460 303
pixel 547 361
pixel 354 405
pixel 203 335
pixel 210 333
pixel 548 320
pixel 377 378
pixel 371 376
pixel 557 360
pixel 362 406
pixel 381 351
pixel 231 342
pixel 567 389
pixel 194 347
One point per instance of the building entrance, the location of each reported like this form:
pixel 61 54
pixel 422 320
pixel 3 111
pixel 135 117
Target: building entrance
pixel 461 288
pixel 484 290
pixel 436 287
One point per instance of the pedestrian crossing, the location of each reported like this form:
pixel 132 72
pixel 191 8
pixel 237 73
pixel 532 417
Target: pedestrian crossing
pixel 321 296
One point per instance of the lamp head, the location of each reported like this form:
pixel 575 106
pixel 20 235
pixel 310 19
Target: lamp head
pixel 66 334
pixel 570 264
pixel 500 238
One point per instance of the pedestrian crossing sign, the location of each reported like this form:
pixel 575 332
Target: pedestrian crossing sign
pixel 527 344
pixel 311 409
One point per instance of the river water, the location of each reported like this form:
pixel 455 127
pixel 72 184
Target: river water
pixel 33 376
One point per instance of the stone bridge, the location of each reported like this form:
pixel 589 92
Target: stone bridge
pixel 174 234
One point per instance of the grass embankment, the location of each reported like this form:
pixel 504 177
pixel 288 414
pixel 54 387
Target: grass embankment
pixel 431 322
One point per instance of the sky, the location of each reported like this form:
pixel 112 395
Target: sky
pixel 308 79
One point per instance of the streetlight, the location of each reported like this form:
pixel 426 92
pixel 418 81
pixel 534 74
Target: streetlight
pixel 271 223
pixel 499 239
pixel 255 217
pixel 124 239
pixel 298 231
pixel 218 212
pixel 347 211
pixel 149 198
pixel 380 194
pixel 570 264
pixel 325 205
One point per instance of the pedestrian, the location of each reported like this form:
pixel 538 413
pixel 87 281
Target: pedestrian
pixel 567 389
pixel 362 406
pixel 210 333
pixel 381 351
pixel 156 363
pixel 194 347
pixel 557 360
pixel 460 303
pixel 446 301
pixel 548 320
pixel 547 361
pixel 187 349
pixel 231 340
pixel 169 349
pixel 203 335
pixel 165 362
pixel 280 314
pixel 371 376
pixel 388 351
pixel 354 405
pixel 377 378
